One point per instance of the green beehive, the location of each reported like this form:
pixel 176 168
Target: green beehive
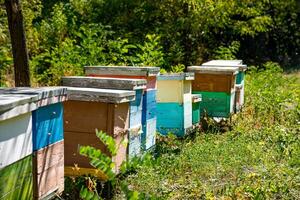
pixel 217 87
pixel 239 84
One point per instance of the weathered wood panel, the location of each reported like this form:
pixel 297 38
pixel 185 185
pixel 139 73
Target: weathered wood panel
pixel 151 80
pixel 85 117
pixel 48 166
pixel 150 133
pixel 121 70
pixel 15 132
pixel 213 83
pixel 100 95
pixel 170 91
pixel 16 180
pixel 134 144
pixel 104 83
pixel 47 125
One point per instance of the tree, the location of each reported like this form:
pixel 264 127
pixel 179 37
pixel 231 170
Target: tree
pixel 18 40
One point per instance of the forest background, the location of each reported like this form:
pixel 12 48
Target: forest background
pixel 65 35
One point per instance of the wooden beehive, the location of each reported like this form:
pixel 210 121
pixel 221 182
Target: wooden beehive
pixel 89 109
pixel 239 84
pixel 18 123
pixel 217 87
pixel 174 103
pixel 135 116
pixel 149 96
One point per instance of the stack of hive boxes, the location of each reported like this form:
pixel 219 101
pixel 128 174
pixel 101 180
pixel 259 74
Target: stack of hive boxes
pixel 239 84
pixel 149 96
pixel 174 103
pixel 135 115
pixel 217 87
pixel 31 142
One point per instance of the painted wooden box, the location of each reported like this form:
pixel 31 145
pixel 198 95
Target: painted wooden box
pixel 149 96
pixel 217 87
pixel 40 106
pixel 135 116
pixel 174 103
pixel 196 99
pixel 48 170
pixel 89 109
pixel 16 180
pixel 240 78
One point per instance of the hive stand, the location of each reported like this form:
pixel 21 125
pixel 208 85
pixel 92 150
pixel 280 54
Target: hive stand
pixel 149 96
pixel 22 128
pixel 174 103
pixel 217 87
pixel 240 78
pixel 135 116
pixel 89 109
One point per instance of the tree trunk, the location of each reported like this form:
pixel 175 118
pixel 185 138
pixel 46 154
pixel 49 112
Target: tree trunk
pixel 18 41
pixel 186 38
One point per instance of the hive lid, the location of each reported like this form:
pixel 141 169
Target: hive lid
pixel 177 76
pixel 100 95
pixel 20 100
pixel 213 70
pixel 227 63
pixel 122 70
pixel 104 83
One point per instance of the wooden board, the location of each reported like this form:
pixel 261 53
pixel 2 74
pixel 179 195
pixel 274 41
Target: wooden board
pixel 176 76
pixel 100 95
pixel 17 101
pixel 151 80
pixel 47 125
pixel 48 164
pixel 213 70
pixel 104 83
pixel 213 83
pixel 226 63
pixel 122 70
pixel 15 132
pixel 16 180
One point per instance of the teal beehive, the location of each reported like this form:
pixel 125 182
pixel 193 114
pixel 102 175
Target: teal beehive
pixel 174 103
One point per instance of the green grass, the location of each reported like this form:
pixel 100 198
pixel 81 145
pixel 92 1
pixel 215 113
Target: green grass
pixel 258 159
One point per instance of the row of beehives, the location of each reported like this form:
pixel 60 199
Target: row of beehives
pixel 125 102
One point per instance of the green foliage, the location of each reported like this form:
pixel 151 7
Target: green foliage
pixel 257 159
pixel 227 53
pixel 98 159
